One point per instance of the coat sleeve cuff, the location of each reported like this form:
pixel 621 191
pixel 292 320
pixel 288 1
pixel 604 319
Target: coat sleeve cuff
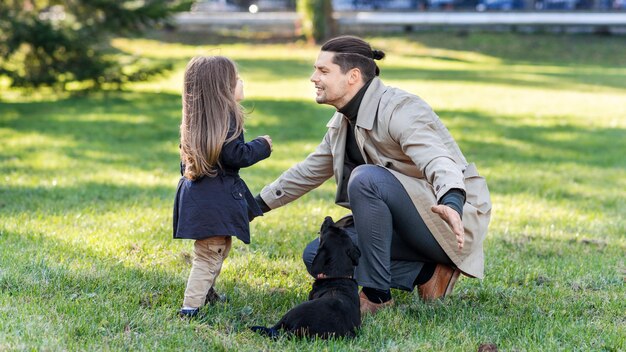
pixel 454 198
pixel 261 203
pixel 272 195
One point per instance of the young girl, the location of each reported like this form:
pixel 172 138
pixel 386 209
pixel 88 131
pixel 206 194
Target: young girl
pixel 212 202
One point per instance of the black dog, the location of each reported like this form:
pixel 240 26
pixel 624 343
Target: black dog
pixel 333 306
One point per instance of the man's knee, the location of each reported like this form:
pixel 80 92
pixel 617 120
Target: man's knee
pixel 362 177
pixel 309 253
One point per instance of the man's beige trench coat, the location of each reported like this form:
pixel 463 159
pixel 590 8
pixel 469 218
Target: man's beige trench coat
pixel 400 132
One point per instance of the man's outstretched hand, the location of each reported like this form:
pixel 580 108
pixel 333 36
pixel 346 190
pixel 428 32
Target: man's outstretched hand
pixel 452 218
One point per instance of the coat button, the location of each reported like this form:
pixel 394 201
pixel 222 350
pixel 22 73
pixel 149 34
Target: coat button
pixel 279 193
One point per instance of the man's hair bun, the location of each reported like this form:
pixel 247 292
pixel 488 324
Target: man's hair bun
pixel 378 54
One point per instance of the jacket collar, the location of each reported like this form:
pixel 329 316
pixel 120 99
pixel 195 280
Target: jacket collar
pixel 351 110
pixel 368 109
pixel 369 105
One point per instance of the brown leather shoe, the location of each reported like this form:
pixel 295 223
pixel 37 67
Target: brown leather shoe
pixel 440 284
pixel 369 307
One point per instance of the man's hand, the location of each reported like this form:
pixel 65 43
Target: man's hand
pixel 453 219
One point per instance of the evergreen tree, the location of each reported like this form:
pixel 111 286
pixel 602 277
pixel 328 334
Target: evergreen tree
pixel 51 43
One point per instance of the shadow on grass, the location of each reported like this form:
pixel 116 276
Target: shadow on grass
pixel 561 162
pixel 131 129
pixel 535 78
pixel 526 144
pixel 86 196
pixel 535 49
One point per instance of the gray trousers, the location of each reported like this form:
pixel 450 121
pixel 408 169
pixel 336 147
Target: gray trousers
pixel 393 239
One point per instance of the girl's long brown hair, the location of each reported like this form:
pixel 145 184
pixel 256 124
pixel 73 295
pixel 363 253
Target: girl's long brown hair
pixel 209 105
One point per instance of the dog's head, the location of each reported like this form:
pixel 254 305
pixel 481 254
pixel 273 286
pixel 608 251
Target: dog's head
pixel 337 255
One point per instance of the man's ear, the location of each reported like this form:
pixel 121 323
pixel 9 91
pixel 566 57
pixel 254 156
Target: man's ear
pixel 355 76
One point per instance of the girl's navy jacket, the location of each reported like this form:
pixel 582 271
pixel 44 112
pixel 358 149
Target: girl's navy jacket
pixel 221 205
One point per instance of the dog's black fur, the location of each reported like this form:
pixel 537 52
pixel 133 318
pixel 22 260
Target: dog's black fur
pixel 333 306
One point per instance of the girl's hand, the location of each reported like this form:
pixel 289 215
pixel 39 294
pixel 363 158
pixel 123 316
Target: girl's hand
pixel 269 141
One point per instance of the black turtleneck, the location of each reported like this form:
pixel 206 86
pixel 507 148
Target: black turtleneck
pixel 351 109
pixel 353 157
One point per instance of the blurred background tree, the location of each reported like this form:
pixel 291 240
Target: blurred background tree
pixel 52 43
pixel 317 19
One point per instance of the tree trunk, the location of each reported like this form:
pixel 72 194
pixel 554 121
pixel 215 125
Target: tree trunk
pixel 317 19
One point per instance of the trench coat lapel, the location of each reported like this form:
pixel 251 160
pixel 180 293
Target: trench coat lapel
pixel 369 105
pixel 368 112
pixel 338 125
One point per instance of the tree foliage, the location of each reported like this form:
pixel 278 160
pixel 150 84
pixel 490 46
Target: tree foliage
pixel 51 43
pixel 317 19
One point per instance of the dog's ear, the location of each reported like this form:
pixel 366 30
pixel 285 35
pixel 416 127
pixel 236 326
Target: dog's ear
pixel 354 253
pixel 328 221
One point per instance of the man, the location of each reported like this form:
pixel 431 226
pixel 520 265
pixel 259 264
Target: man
pixel 400 172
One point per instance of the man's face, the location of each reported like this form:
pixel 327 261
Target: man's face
pixel 331 86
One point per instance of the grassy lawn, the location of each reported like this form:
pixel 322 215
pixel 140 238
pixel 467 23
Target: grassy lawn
pixel 87 261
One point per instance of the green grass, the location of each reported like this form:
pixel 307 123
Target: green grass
pixel 87 261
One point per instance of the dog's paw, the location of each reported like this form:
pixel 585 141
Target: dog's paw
pixel 269 332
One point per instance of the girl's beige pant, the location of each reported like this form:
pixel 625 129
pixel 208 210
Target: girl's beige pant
pixel 209 254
